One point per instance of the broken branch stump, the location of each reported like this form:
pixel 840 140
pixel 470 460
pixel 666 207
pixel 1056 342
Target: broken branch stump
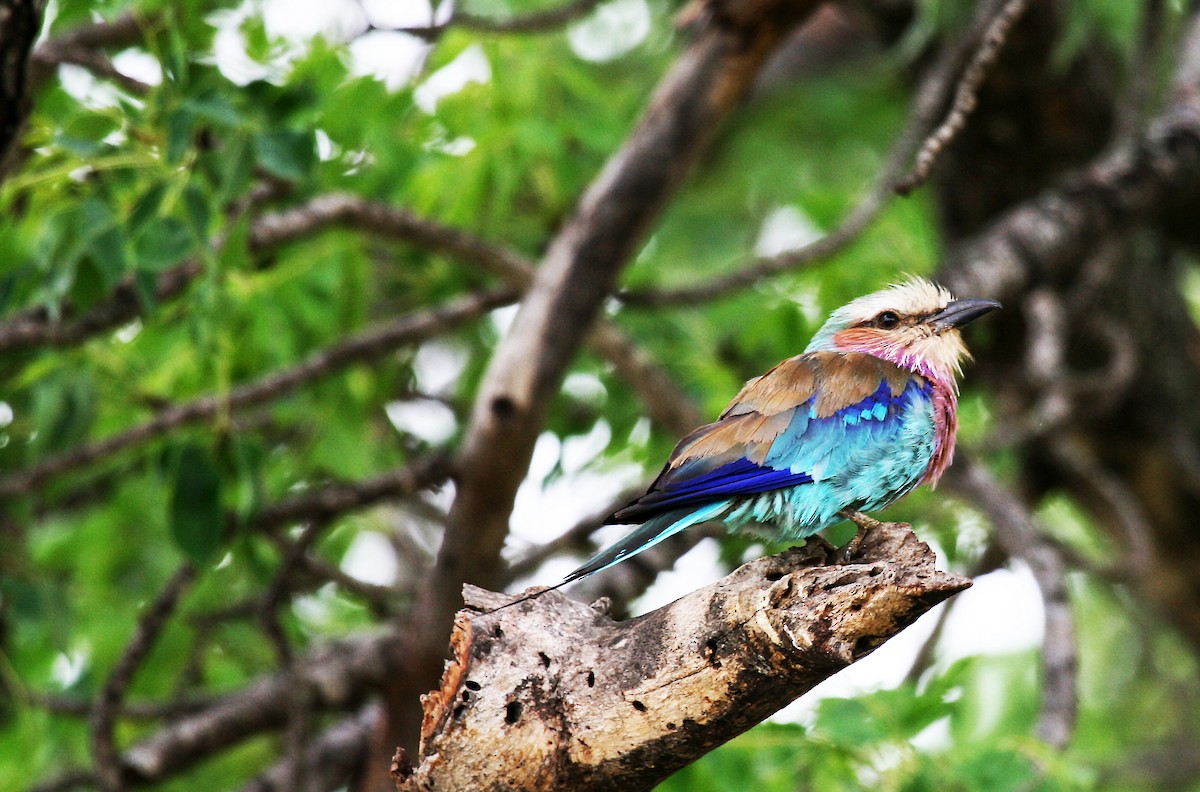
pixel 552 694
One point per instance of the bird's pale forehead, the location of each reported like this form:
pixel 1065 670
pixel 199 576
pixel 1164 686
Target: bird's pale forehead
pixel 916 296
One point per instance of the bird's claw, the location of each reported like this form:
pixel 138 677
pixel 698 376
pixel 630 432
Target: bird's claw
pixel 865 526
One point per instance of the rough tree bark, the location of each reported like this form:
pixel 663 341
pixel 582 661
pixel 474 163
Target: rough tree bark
pixel 553 694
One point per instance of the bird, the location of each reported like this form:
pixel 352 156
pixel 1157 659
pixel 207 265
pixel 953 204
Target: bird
pixel 866 413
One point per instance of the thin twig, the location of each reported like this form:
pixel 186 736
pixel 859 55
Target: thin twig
pixel 299 715
pixel 1139 94
pixel 335 498
pixel 929 99
pixel 366 346
pixel 1018 534
pixel 965 97
pixel 136 710
pixel 104 749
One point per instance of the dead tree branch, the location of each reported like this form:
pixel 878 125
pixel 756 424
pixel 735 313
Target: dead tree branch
pixel 552 694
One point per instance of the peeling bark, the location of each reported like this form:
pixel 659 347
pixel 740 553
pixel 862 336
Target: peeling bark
pixel 554 694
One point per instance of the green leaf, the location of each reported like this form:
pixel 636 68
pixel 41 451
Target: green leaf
pixel 107 252
pixel 146 207
pixel 179 134
pixel 199 213
pixel 197 520
pixel 287 154
pixel 162 244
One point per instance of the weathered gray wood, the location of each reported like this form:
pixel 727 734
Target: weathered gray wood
pixel 553 694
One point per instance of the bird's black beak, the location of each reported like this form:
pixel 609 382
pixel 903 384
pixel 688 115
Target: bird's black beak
pixel 960 312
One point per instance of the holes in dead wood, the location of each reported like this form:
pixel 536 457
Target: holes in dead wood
pixel 639 706
pixel 466 695
pixel 459 711
pixel 774 576
pixel 471 684
pixel 497 632
pixel 710 653
pixel 671 727
pixel 856 606
pixel 503 407
pixel 863 645
pixel 545 658
pixel 591 679
pixel 512 713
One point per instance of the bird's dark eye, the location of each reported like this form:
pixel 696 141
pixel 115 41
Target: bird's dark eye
pixel 887 320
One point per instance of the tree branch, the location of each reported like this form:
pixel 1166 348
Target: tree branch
pixel 965 96
pixel 1048 233
pixel 20 21
pixel 336 677
pixel 553 695
pixel 1020 537
pixel 104 748
pixel 366 346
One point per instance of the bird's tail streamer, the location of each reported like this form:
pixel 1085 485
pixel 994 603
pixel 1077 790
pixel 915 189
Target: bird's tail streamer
pixel 650 533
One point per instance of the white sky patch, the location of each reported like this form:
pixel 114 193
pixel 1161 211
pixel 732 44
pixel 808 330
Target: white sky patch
pixel 610 31
pixel 395 59
pixel 1000 614
pixel 300 20
pixel 86 89
pixel 502 318
pixel 67 667
pixel 438 365
pixel 808 300
pixel 229 49
pixel 6 414
pixel 544 510
pixel 427 419
pixel 138 64
pixel 585 387
pixel 405 14
pixel 128 332
pixel 785 229
pixel 694 569
pixel 470 66
pixel 315 609
pixel 326 150
pixel 371 559
pixel 579 450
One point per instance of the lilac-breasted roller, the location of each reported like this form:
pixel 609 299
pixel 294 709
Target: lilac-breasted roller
pixel 860 418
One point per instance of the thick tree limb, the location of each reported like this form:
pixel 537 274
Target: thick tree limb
pixel 551 694
pixel 20 21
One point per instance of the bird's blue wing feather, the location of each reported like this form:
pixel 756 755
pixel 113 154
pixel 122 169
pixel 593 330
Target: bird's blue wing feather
pixel 810 433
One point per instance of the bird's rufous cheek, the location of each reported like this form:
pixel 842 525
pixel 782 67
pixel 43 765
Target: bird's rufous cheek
pixel 860 339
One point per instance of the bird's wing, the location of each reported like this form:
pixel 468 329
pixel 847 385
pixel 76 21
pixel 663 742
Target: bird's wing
pixel 784 428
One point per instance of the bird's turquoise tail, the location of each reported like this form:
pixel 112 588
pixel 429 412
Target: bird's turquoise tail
pixel 646 536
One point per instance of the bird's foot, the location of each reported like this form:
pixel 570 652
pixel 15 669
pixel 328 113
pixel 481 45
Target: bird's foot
pixel 865 526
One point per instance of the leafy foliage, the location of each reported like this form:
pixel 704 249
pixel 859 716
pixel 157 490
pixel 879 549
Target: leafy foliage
pixel 116 189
